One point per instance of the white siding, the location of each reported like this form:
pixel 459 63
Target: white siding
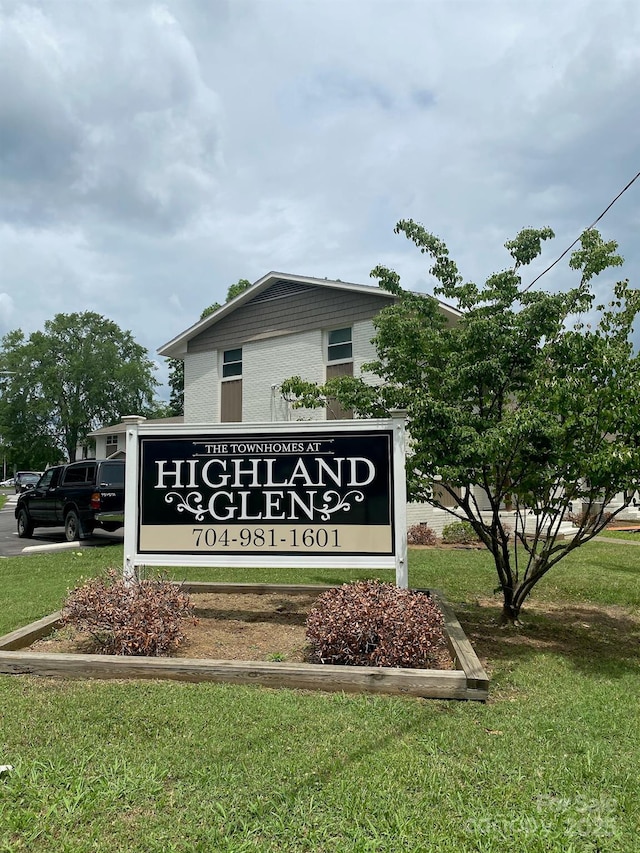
pixel 101 444
pixel 201 383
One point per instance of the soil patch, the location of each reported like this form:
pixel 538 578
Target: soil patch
pixel 229 626
pixel 248 627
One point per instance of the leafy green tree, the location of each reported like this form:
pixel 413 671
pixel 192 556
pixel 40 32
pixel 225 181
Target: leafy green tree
pixel 176 386
pixel 81 372
pixel 176 365
pixel 210 309
pixel 531 400
pixel 236 289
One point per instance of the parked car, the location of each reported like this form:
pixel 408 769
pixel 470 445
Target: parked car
pixel 80 495
pixel 6 484
pixel 25 480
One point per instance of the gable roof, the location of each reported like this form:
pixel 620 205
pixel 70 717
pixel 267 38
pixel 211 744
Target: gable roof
pixel 273 286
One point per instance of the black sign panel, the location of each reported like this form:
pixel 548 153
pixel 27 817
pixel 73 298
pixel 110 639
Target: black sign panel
pixel 328 493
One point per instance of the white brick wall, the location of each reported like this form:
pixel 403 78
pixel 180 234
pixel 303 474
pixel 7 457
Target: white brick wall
pixel 424 513
pixel 363 350
pixel 265 364
pixel 270 362
pixel 201 384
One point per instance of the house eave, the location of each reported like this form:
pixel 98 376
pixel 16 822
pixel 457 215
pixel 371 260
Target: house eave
pixel 177 347
pixel 120 428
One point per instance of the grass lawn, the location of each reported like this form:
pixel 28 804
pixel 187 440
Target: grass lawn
pixel 550 763
pixel 632 535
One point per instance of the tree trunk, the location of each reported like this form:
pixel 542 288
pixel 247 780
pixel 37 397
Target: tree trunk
pixel 510 604
pixel 71 440
pixel 508 581
pixel 510 614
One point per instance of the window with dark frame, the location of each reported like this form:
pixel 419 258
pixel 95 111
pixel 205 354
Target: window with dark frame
pixel 232 363
pixel 339 345
pixel 339 363
pixel 79 474
pixel 112 474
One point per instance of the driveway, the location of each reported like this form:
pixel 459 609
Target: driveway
pixel 44 538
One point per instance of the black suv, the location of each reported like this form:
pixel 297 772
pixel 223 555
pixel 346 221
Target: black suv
pixel 81 496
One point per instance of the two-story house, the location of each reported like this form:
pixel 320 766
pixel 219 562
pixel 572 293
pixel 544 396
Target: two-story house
pixel 283 325
pixel 236 358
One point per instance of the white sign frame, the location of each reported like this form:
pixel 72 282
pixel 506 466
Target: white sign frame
pixel 137 429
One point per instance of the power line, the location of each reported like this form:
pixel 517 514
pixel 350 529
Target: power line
pixel 595 222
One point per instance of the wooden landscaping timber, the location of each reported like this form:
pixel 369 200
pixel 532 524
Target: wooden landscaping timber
pixel 30 633
pixel 469 681
pixel 460 648
pixel 441 684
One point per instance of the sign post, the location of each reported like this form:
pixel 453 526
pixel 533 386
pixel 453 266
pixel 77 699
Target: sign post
pixel 323 494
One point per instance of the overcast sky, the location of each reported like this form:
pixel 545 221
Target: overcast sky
pixel 152 153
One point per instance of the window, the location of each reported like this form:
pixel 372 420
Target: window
pixel 49 479
pixel 112 474
pixel 111 444
pixel 339 363
pixel 231 386
pixel 79 474
pixel 339 347
pixel 232 363
pixel 45 480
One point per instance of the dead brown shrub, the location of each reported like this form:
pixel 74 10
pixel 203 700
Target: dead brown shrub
pixel 145 618
pixel 369 623
pixel 421 534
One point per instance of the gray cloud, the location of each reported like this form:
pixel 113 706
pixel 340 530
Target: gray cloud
pixel 104 116
pixel 154 152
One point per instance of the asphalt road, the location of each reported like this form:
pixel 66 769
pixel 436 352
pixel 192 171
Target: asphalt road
pixel 44 538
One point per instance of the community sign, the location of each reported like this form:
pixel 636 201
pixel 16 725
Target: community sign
pixel 292 494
